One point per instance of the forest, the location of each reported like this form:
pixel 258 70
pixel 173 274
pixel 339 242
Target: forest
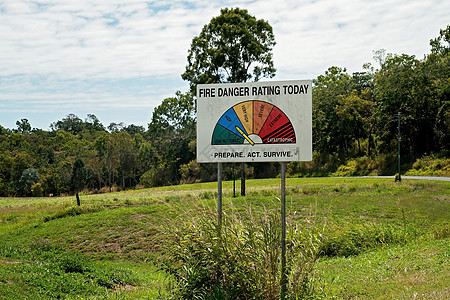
pixel 356 121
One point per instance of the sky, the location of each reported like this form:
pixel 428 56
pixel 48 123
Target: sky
pixel 119 59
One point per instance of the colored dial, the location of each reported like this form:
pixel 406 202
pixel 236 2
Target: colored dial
pixel 253 122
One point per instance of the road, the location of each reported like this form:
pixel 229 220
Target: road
pixel 414 177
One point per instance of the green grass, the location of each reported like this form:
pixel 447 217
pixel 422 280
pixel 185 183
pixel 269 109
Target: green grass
pixel 416 271
pixel 380 239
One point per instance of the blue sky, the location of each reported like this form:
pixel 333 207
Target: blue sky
pixel 119 59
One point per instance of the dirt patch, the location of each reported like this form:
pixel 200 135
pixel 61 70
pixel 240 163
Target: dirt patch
pixel 124 288
pixel 137 216
pixel 5 262
pixel 441 198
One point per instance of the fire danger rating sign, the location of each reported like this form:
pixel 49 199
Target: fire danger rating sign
pixel 254 122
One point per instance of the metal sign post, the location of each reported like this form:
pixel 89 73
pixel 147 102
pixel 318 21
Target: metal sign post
pixel 283 231
pixel 219 195
pixel 399 141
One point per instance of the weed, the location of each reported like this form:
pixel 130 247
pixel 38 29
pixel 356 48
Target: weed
pixel 55 274
pixel 311 190
pixel 441 231
pixel 207 195
pixel 356 240
pixel 239 260
pixel 73 211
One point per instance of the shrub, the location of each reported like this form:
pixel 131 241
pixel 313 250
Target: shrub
pixel 430 166
pixel 241 260
pixel 36 190
pixel 365 165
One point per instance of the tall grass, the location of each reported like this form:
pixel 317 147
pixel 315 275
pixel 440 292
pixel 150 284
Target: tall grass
pixel 358 239
pixel 240 260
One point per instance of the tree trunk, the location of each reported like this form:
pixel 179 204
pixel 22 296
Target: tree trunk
pixel 78 199
pixel 243 180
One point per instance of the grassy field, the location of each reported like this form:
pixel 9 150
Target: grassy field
pixel 377 239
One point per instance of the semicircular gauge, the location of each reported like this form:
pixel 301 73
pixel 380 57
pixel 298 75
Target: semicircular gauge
pixel 253 122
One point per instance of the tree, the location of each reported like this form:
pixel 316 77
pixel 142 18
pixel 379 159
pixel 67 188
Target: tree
pixel 108 151
pixel 77 180
pixel 127 158
pixel 174 114
pixel 116 127
pixel 171 130
pixel 226 50
pixel 437 66
pixel 400 87
pixel 23 126
pixel 29 178
pixel 134 129
pixel 70 123
pixel 441 44
pixel 92 123
pixel 355 114
pixel 228 47
pixel 328 136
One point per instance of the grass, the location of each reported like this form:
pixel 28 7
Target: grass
pixel 380 239
pixel 416 271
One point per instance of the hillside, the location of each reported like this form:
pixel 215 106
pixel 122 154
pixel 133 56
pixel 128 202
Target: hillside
pixel 367 238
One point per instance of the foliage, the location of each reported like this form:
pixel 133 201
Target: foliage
pixel 228 47
pixel 28 179
pixel 78 177
pixel 195 172
pixel 355 122
pixel 171 131
pixel 363 166
pixel 240 259
pixel 23 126
pixel 430 166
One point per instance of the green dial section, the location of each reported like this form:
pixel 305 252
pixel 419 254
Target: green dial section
pixel 223 136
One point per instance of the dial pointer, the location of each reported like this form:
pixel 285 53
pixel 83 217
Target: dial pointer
pixel 245 136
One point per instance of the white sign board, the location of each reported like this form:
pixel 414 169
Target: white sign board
pixel 254 122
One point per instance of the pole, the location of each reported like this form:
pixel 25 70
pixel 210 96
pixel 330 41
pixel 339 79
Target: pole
pixel 399 141
pixel 283 231
pixel 219 195
pixel 243 179
pixel 234 182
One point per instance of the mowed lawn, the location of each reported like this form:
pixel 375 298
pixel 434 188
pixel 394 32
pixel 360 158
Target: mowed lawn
pixel 381 239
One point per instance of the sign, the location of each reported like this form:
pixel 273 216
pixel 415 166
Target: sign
pixel 254 122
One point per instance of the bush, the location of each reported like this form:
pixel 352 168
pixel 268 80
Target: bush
pixel 430 166
pixel 158 176
pixel 240 261
pixel 36 190
pixel 365 165
pixel 194 172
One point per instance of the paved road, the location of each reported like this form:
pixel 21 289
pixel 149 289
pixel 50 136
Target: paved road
pixel 415 177
pixel 427 178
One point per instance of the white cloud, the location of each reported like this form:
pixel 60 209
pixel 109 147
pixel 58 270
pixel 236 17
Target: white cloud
pixel 61 52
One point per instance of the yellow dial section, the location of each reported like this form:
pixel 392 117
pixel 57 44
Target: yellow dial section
pixel 244 112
